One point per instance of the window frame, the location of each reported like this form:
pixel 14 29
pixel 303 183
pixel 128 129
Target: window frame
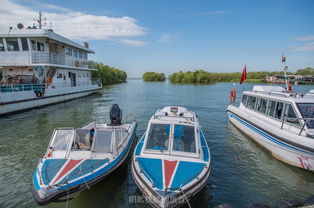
pixel 2 43
pixel 286 114
pixel 23 44
pixel 17 42
pixel 183 153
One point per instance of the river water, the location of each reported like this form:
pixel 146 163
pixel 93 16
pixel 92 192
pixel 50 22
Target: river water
pixel 242 172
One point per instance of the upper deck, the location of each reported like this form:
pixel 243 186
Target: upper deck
pixel 33 47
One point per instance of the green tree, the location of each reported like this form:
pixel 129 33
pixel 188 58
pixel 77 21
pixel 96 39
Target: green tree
pixel 153 76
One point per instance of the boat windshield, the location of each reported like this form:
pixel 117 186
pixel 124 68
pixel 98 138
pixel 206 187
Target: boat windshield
pixel 158 137
pixel 307 111
pixel 103 141
pixel 184 138
pixel 62 139
pixel 83 139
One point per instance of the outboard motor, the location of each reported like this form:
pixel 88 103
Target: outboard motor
pixel 115 115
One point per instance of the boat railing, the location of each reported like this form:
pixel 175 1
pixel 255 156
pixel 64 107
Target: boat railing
pixel 167 116
pixel 147 175
pixel 280 94
pixel 41 87
pixel 186 181
pixel 306 120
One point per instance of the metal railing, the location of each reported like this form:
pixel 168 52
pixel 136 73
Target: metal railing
pixel 42 87
pixel 306 121
pixel 55 58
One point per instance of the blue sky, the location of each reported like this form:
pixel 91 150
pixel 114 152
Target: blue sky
pixel 168 36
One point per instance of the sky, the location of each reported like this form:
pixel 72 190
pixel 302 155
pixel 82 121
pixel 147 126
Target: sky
pixel 179 35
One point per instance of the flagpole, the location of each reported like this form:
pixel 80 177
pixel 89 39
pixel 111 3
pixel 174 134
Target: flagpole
pixel 285 68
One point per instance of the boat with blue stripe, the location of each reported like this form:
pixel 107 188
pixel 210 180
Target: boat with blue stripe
pixel 279 120
pixel 171 162
pixel 77 158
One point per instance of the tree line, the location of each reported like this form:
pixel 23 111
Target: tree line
pixel 204 77
pixel 154 76
pixel 107 74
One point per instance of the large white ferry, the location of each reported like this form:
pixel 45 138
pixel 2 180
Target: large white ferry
pixel 40 67
pixel 279 120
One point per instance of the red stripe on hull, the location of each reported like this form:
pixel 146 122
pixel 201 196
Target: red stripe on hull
pixel 169 167
pixel 69 166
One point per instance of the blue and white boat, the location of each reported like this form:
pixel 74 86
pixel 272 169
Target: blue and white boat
pixel 171 162
pixel 78 158
pixel 281 121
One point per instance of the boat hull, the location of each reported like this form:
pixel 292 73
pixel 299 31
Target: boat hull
pixel 69 191
pixel 15 106
pixel 280 148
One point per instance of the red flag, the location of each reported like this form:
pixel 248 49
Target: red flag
pixel 243 77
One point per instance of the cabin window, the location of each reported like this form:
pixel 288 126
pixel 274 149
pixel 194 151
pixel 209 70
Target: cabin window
pixel 103 141
pixel 278 110
pixel 244 99
pixel 1 45
pixel 262 105
pixel 307 111
pixel 59 76
pixel 75 53
pixel 62 139
pixel 24 44
pixel 251 102
pixel 80 54
pixel 158 137
pixel 291 116
pixel 85 56
pixel 40 47
pixel 34 48
pixel 271 108
pixel 12 44
pixel 184 138
pixel 69 52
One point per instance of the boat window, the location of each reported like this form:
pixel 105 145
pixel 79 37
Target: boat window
pixel 12 44
pixel 103 141
pixel 80 54
pixel 24 44
pixel 262 105
pixel 83 139
pixel 307 111
pixel 34 48
pixel 75 53
pixel 158 137
pixel 278 110
pixel 85 56
pixel 291 116
pixel 62 139
pixel 69 52
pixel 184 138
pixel 251 102
pixel 244 99
pixel 40 47
pixel 1 45
pixel 271 108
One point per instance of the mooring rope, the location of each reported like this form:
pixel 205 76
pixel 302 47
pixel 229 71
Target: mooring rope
pixel 187 201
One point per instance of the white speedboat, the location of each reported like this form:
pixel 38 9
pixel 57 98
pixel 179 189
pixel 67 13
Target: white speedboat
pixel 78 158
pixel 171 162
pixel 279 120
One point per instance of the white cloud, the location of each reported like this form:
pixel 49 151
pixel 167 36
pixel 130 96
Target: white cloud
pixel 72 24
pixel 133 42
pixel 306 47
pixel 305 38
pixel 164 38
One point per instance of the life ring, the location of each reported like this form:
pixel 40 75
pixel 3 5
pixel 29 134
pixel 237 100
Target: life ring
pixel 77 63
pixel 232 95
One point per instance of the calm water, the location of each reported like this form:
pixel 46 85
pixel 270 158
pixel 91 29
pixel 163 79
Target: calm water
pixel 242 173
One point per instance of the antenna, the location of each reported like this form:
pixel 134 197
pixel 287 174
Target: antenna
pixel 40 20
pixel 285 69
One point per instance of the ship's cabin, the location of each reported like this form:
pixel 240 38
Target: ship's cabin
pixel 288 108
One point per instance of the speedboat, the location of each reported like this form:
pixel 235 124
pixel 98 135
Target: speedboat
pixel 280 120
pixel 77 158
pixel 171 161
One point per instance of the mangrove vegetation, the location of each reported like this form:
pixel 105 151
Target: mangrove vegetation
pixel 107 74
pixel 153 76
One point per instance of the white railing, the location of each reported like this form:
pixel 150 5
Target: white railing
pixel 54 58
pixel 42 87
